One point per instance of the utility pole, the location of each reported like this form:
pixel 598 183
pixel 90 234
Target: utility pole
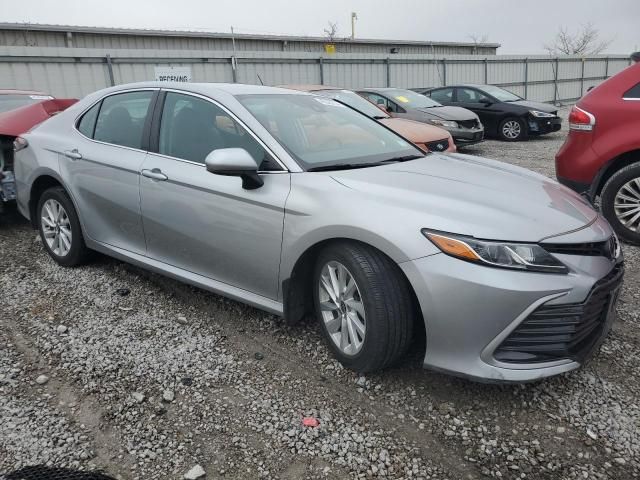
pixel 354 17
pixel 234 73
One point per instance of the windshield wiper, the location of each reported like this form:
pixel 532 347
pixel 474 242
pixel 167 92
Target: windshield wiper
pixel 379 117
pixel 401 159
pixel 342 166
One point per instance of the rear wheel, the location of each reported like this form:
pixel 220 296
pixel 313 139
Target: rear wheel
pixel 512 129
pixel 60 228
pixel 364 306
pixel 620 203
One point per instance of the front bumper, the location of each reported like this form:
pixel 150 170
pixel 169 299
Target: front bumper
pixel 469 310
pixel 540 126
pixel 464 136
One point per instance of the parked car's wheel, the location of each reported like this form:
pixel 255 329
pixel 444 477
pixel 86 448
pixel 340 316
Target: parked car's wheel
pixel 512 129
pixel 620 203
pixel 364 306
pixel 60 228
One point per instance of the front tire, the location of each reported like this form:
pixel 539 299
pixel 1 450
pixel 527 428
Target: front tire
pixel 364 306
pixel 620 203
pixel 512 129
pixel 60 229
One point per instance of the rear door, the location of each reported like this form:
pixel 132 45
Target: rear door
pixel 101 165
pixel 205 223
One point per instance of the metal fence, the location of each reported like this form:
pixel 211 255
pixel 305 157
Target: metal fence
pixel 74 72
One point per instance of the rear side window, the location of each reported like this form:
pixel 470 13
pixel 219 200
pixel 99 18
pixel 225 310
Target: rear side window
pixel 87 123
pixel 192 127
pixel 121 118
pixel 442 96
pixel 633 92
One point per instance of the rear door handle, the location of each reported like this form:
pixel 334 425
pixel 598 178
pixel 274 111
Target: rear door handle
pixel 73 154
pixel 155 173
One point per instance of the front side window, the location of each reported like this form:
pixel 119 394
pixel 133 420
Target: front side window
pixel 191 128
pixel 121 118
pixel 320 132
pixel 470 95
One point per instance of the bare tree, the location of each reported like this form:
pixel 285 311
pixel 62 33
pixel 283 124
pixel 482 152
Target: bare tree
pixel 478 40
pixel 585 41
pixel 331 31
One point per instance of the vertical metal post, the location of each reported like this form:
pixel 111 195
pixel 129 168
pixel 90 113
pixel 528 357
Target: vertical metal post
pixel 582 79
pixel 234 74
pixel 555 81
pixel 444 72
pixel 388 62
pixel 526 77
pixel 112 81
pixel 606 67
pixel 486 71
pixel 321 63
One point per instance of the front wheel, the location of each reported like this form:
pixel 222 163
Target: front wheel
pixel 620 203
pixel 364 306
pixel 512 129
pixel 60 228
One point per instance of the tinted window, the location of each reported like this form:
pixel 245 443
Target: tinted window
pixel 88 121
pixel 443 96
pixel 121 118
pixel 470 95
pixel 633 92
pixel 319 131
pixel 192 127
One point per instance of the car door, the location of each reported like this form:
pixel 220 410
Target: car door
pixel 206 223
pixel 101 165
pixel 487 108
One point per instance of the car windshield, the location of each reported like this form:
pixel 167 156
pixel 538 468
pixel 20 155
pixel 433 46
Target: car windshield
pixel 354 101
pixel 321 133
pixel 411 99
pixel 501 94
pixel 12 101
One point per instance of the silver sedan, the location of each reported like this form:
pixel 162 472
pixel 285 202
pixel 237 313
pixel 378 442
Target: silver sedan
pixel 301 206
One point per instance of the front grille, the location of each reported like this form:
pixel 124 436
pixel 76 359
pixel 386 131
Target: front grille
pixel 569 331
pixel 438 145
pixel 468 123
pixel 608 248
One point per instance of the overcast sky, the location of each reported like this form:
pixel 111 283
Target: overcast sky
pixel 521 26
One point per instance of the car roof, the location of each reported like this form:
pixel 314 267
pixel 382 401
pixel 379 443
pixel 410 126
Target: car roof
pixel 310 87
pixel 230 88
pixel 11 91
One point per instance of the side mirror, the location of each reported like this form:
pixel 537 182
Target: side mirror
pixel 486 102
pixel 235 162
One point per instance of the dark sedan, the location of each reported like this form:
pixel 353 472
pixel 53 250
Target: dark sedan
pixel 503 114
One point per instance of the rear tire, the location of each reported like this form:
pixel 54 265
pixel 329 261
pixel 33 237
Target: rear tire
pixel 620 203
pixel 512 129
pixel 371 308
pixel 60 229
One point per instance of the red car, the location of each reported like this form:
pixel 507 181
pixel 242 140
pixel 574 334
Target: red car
pixel 21 110
pixel 601 154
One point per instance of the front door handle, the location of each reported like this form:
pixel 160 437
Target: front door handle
pixel 155 173
pixel 73 154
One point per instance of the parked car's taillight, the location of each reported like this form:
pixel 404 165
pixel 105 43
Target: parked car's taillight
pixel 581 119
pixel 19 144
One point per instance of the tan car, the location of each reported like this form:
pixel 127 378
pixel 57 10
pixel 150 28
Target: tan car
pixel 427 137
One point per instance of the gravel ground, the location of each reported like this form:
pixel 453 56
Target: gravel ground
pixel 153 380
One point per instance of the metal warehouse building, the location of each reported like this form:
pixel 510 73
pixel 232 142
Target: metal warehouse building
pixel 34 35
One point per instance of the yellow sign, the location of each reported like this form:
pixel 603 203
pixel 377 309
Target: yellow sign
pixel 402 99
pixel 329 48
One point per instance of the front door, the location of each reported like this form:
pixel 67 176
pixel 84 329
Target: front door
pixel 206 223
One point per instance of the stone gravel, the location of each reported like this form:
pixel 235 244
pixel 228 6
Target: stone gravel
pixel 167 381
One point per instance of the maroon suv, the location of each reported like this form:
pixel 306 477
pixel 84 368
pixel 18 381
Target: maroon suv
pixel 601 155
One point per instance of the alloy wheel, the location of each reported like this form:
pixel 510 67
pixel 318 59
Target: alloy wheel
pixel 627 205
pixel 56 227
pixel 342 308
pixel 511 129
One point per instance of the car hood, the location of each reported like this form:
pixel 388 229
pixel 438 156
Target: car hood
pixel 543 107
pixel 20 120
pixel 417 132
pixel 449 113
pixel 474 196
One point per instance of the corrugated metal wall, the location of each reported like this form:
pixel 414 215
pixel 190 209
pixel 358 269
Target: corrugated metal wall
pixel 74 72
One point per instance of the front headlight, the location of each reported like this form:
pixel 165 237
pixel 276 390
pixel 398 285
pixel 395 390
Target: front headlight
pixel 445 123
pixel 539 114
pixel 518 256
